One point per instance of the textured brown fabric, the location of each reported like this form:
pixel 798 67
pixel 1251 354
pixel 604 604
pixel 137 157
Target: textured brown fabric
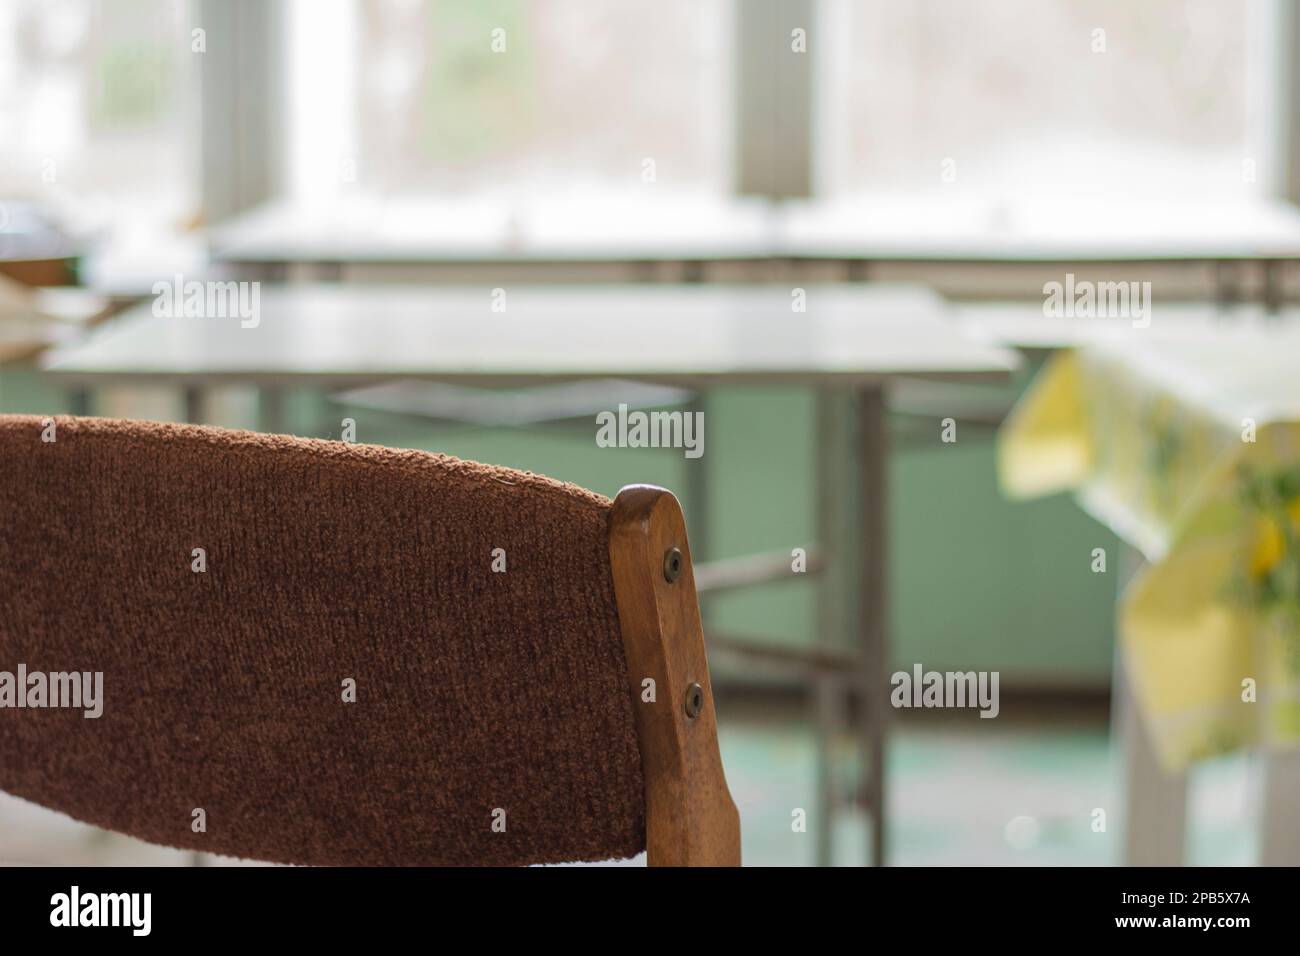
pixel 223 690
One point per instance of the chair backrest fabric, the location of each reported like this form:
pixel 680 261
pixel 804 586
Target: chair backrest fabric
pixel 310 652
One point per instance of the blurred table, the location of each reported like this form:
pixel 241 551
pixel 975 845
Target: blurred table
pixel 685 335
pixel 955 226
pixel 965 245
pixel 1184 437
pixel 1023 325
pixel 659 227
pixel 850 344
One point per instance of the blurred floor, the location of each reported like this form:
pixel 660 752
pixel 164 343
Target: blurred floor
pixel 1018 791
pixel 1013 791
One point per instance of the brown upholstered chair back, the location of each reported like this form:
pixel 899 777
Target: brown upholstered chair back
pixel 313 652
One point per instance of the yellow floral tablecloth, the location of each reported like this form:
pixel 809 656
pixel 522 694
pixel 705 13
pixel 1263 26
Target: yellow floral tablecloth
pixel 1188 446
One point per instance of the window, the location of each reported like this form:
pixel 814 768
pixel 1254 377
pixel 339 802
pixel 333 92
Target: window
pixel 509 99
pixel 1024 100
pixel 98 105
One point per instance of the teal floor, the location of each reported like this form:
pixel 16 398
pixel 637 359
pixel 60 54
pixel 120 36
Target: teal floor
pixel 998 793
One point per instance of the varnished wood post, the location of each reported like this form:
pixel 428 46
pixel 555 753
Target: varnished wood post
pixel 690 817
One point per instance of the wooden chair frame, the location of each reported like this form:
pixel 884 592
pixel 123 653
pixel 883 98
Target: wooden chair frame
pixel 690 817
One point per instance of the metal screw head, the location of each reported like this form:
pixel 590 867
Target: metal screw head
pixel 694 700
pixel 673 561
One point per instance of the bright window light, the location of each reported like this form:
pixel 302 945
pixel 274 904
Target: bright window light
pixel 99 110
pixel 1018 101
pixel 514 98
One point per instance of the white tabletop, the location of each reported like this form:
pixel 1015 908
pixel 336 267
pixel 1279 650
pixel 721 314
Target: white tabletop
pixel 655 226
pixel 676 334
pixel 970 228
pixel 658 224
pixel 1025 325
pixel 1232 373
pixel 1231 362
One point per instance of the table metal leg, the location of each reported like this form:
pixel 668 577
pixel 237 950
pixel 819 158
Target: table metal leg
pixel 195 399
pixel 835 588
pixel 1155 811
pixel 80 401
pixel 271 411
pixel 829 696
pixel 873 468
pixel 1279 837
pixel 1155 801
pixel 697 489
pixel 852 501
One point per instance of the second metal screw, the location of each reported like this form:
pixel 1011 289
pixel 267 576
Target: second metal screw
pixel 672 564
